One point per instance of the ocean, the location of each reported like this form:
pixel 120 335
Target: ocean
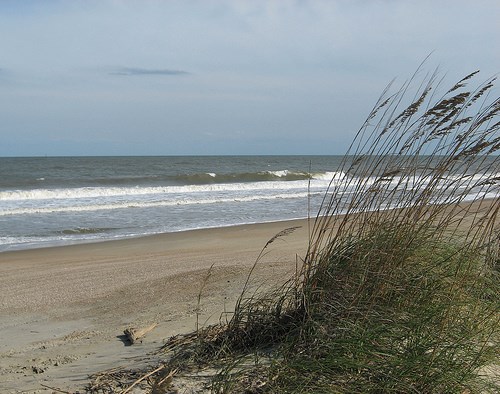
pixel 48 201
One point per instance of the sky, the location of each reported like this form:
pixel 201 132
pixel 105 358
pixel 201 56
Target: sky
pixel 203 77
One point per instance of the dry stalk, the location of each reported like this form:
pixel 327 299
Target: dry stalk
pixel 142 378
pixel 55 389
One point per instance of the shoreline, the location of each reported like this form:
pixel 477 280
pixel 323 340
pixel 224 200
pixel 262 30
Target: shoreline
pixel 140 236
pixel 64 308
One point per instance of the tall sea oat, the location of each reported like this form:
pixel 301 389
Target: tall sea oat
pixel 400 284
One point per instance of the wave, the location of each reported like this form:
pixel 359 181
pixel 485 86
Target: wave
pixel 319 181
pixel 149 204
pixel 182 179
pixel 261 176
pixel 85 230
pixel 97 192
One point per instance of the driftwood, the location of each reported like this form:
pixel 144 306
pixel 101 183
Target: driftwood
pixel 134 334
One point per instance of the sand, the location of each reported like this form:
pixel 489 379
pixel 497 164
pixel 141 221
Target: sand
pixel 63 309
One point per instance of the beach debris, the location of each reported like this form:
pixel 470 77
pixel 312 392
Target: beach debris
pixel 142 378
pixel 164 383
pixel 57 390
pixel 134 334
pixel 37 370
pixel 123 380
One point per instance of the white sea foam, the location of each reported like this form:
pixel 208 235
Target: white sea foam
pixel 280 174
pixel 95 192
pixel 328 176
pixel 146 204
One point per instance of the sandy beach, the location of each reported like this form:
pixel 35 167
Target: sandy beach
pixel 63 309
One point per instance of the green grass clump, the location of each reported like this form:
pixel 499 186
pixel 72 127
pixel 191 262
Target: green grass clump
pixel 399 288
pixel 385 319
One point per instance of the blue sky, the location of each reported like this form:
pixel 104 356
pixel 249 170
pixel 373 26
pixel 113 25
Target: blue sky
pixel 145 77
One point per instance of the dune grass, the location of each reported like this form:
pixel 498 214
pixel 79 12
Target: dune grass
pixel 399 289
pixel 404 300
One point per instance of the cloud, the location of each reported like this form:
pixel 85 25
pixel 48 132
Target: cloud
pixel 154 69
pixel 133 71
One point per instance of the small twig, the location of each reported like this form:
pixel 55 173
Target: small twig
pixel 108 371
pixel 169 376
pixel 55 389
